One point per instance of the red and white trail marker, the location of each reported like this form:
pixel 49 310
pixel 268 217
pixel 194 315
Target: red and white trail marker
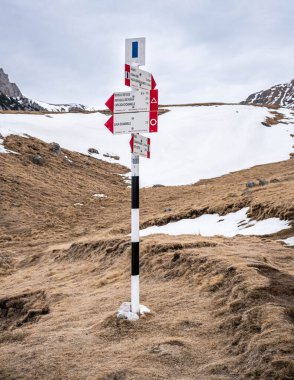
pixel 138 78
pixel 133 101
pixel 140 145
pixel 120 123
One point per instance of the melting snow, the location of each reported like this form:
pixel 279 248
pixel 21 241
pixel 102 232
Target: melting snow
pixel 98 195
pixel 124 312
pixel 192 143
pixel 214 224
pixel 289 241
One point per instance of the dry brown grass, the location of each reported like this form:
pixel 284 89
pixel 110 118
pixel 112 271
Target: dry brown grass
pixel 276 118
pixel 222 308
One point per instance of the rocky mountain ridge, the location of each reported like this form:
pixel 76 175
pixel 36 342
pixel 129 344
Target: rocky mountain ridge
pixel 11 98
pixel 7 88
pixel 280 95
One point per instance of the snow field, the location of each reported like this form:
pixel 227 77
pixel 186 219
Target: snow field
pixel 192 143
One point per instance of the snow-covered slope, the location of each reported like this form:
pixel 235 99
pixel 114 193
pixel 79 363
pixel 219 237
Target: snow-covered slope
pixel 72 107
pixel 192 142
pixel 281 95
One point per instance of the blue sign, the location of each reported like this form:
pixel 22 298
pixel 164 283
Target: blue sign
pixel 135 49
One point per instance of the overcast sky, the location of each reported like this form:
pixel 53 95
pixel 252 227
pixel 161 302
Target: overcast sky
pixel 203 50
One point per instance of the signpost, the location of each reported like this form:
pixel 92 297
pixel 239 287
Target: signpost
pixel 120 123
pixel 135 51
pixel 133 101
pixel 139 79
pixel 140 145
pixel 133 112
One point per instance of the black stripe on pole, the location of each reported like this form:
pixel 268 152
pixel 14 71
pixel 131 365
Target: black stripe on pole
pixel 135 259
pixel 135 192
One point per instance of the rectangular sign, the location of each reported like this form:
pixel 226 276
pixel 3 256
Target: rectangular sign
pixel 133 101
pixel 135 51
pixel 138 78
pixel 140 145
pixel 120 123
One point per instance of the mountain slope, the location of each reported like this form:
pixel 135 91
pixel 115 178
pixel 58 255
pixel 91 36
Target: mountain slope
pixel 221 308
pixel 11 99
pixel 281 95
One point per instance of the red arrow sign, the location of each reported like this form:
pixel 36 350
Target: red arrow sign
pixel 138 78
pixel 140 145
pixel 133 101
pixel 120 123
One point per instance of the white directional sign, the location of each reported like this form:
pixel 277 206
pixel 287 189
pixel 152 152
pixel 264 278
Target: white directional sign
pixel 140 145
pixel 133 101
pixel 138 78
pixel 135 51
pixel 132 122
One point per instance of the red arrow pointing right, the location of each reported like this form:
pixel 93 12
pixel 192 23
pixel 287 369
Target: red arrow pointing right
pixel 109 124
pixel 132 143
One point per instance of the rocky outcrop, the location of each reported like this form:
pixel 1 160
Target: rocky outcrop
pixel 281 95
pixel 9 103
pixel 7 88
pixel 11 99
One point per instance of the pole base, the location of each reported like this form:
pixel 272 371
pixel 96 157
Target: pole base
pixel 124 312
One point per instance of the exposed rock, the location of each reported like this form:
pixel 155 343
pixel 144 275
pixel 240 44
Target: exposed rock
pixel 281 95
pixel 55 149
pixel 158 185
pixel 7 88
pixel 38 160
pixel 11 98
pixel 18 104
pixel 250 184
pixel 167 209
pixel 93 151
pixel 111 156
pixel 263 182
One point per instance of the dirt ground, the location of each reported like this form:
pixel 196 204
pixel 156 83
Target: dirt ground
pixel 222 308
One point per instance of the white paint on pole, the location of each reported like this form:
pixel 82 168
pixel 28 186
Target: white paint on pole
pixel 135 51
pixel 135 294
pixel 135 165
pixel 135 225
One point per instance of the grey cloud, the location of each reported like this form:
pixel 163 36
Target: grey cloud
pixel 201 50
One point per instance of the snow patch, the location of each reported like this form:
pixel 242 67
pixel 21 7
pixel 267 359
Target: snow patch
pixel 289 241
pixel 124 312
pixel 98 195
pixel 228 225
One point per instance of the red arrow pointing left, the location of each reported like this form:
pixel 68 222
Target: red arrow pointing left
pixel 110 103
pixel 109 124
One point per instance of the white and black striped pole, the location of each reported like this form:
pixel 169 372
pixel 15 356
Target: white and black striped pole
pixel 134 112
pixel 135 261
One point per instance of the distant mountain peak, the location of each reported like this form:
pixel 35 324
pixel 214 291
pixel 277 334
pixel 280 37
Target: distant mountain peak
pixel 281 95
pixel 11 98
pixel 7 88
